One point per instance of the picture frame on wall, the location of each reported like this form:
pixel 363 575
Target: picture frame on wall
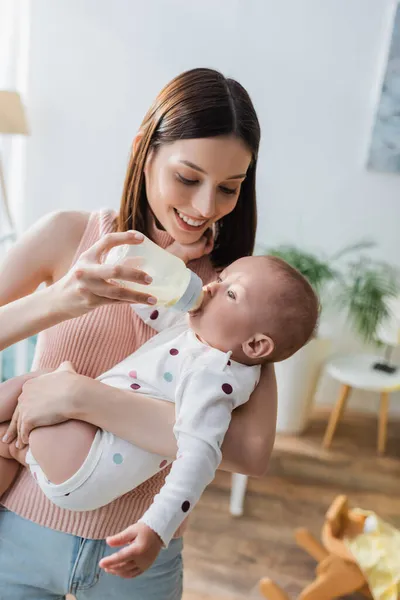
pixel 384 150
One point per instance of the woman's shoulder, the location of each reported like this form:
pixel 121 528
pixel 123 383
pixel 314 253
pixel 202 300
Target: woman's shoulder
pixel 65 227
pixel 72 222
pixel 69 226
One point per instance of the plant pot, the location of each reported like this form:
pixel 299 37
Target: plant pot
pixel 297 379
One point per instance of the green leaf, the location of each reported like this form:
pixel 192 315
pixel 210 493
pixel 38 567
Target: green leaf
pixel 360 285
pixel 317 270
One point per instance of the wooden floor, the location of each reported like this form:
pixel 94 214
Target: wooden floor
pixel 225 557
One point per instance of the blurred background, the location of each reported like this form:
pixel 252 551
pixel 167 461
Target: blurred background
pixel 325 81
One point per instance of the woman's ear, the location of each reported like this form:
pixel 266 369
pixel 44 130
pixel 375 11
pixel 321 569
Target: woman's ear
pixel 258 346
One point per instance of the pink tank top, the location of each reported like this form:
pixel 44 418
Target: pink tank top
pixel 93 343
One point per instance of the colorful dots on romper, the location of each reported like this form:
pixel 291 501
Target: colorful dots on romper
pixel 163 464
pixel 118 458
pixel 154 315
pixel 135 386
pixel 185 506
pixel 174 351
pixel 133 374
pixel 168 377
pixel 227 388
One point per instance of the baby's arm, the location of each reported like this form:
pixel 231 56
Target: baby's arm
pixel 159 317
pixel 200 429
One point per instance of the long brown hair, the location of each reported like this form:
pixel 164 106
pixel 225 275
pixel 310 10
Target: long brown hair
pixel 199 103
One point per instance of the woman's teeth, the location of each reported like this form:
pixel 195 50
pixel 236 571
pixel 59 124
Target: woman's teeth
pixel 191 222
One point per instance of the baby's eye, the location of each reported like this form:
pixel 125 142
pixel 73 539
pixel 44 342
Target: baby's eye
pixel 231 294
pixel 219 280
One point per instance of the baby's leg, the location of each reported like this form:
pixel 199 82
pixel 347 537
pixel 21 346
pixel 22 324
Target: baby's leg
pixel 9 392
pixel 112 468
pixel 8 466
pixel 60 450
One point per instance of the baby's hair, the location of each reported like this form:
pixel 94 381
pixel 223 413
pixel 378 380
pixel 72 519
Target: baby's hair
pixel 297 310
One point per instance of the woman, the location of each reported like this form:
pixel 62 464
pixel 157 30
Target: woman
pixel 193 165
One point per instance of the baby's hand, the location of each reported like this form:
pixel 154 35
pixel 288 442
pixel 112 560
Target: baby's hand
pixel 188 252
pixel 142 550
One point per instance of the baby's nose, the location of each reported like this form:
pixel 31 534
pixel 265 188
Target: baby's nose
pixel 212 287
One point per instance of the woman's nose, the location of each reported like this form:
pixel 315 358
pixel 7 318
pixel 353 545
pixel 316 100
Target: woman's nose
pixel 204 202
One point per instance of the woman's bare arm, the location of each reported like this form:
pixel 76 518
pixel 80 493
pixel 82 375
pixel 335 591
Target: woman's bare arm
pixel 63 394
pixel 249 441
pixel 148 422
pixel 47 247
pixel 44 255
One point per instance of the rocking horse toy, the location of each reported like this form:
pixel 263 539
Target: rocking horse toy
pixel 359 553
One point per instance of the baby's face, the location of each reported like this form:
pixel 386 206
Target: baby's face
pixel 230 312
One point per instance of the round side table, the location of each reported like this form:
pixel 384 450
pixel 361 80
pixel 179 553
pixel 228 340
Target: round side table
pixel 356 371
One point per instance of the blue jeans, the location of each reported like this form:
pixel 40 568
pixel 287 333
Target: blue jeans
pixel 37 563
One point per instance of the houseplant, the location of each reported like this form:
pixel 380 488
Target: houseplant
pixel 351 283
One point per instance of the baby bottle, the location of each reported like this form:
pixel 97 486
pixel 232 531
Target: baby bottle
pixel 173 283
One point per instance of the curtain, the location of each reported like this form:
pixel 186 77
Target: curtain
pixel 14 45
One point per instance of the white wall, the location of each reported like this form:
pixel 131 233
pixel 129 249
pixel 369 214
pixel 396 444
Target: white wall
pixel 312 68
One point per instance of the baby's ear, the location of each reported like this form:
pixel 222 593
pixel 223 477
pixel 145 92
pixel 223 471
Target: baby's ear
pixel 258 346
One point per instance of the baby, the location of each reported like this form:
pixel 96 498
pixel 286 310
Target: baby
pixel 208 362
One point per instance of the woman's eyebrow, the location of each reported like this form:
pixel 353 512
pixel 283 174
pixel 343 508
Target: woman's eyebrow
pixel 197 168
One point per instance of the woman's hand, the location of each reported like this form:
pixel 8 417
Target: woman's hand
pixel 188 252
pixel 41 403
pixel 87 284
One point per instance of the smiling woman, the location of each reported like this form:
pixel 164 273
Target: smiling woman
pixel 201 193
pixel 194 164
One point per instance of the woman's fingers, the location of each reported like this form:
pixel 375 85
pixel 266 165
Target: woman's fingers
pixel 106 272
pixel 19 443
pixel 24 430
pixel 209 241
pixel 98 280
pixel 116 292
pixel 104 245
pixel 12 431
pixel 66 366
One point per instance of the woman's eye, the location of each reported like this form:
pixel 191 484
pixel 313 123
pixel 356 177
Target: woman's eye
pixel 227 190
pixel 186 181
pixel 231 295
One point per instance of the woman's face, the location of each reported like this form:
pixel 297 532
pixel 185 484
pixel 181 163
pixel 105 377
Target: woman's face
pixel 191 184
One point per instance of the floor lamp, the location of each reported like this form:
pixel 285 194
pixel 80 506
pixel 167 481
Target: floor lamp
pixel 12 122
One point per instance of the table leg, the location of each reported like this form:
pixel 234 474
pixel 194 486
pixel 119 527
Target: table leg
pixel 383 419
pixel 238 491
pixel 336 414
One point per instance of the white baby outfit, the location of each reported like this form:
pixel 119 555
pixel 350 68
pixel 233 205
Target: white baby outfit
pixel 205 384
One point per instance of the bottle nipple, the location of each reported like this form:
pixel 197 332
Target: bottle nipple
pixel 199 302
